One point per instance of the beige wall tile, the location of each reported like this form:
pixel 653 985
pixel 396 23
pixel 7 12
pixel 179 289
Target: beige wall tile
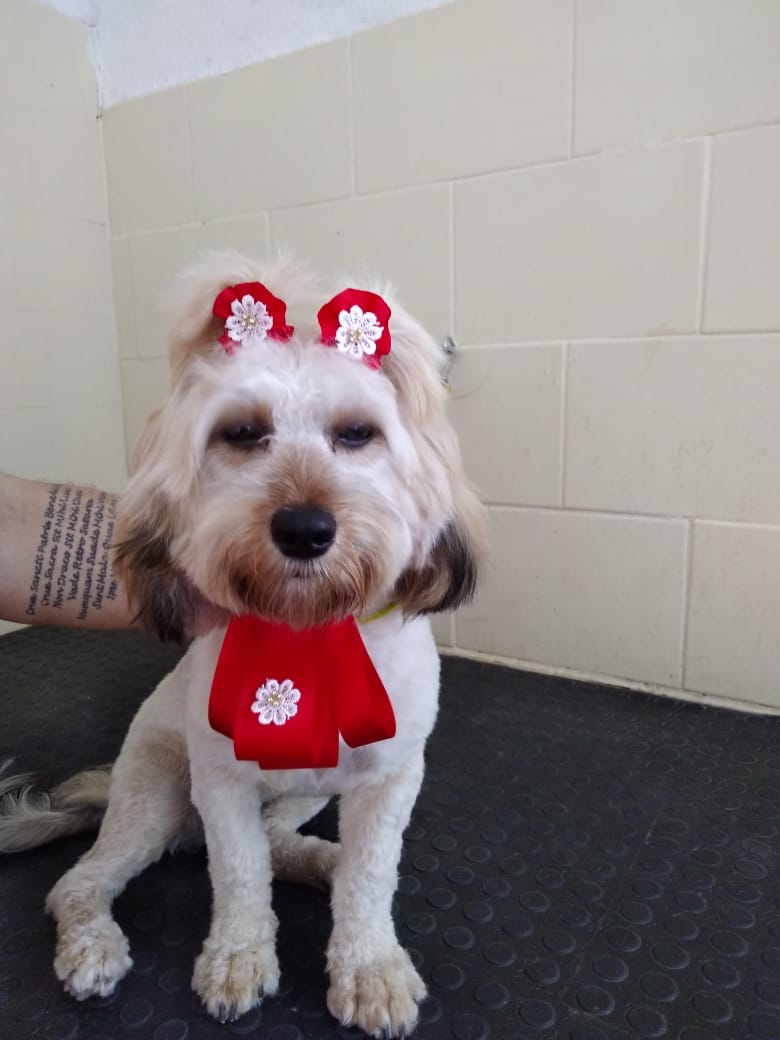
pixel 98 268
pixel 506 407
pixel 733 614
pixel 23 359
pixel 66 164
pixel 687 426
pixel 595 593
pixel 122 280
pixel 274 134
pixel 144 386
pixel 654 71
pixel 60 402
pixel 605 246
pixel 26 442
pixel 404 236
pixel 442 629
pixel 20 277
pixel 464 89
pixel 247 235
pixel 69 261
pixel 148 162
pixel 743 267
pixel 70 361
pixel 15 164
pixel 89 446
pixel 44 58
pixel 156 259
pixel 83 364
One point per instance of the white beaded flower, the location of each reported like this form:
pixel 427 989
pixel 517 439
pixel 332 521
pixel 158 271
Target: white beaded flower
pixel 249 322
pixel 358 332
pixel 276 702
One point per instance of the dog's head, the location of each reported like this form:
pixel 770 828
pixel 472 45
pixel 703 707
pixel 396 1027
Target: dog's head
pixel 291 480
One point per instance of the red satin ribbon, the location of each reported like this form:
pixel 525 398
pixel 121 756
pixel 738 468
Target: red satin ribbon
pixel 340 693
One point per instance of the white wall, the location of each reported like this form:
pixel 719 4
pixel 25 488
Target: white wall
pixel 142 46
pixel 60 397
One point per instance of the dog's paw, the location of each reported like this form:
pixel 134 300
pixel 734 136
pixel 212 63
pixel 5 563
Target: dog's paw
pixel 231 982
pixel 380 998
pixel 92 958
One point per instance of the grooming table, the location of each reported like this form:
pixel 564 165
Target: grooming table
pixel 583 863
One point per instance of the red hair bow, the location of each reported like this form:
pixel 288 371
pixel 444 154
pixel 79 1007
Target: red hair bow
pixel 251 314
pixel 356 323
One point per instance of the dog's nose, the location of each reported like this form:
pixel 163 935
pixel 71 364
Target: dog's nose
pixel 303 532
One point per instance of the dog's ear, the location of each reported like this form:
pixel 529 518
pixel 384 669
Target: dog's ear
pixel 163 598
pixel 448 577
pixel 448 574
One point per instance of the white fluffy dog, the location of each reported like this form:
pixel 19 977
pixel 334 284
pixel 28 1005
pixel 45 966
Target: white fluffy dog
pixel 301 477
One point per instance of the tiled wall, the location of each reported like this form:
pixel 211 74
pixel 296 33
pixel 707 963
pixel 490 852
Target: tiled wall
pixel 583 192
pixel 60 394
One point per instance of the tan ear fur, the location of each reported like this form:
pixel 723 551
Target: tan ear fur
pixel 146 522
pixel 448 577
pixel 165 600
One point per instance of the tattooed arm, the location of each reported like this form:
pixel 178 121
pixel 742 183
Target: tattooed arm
pixel 55 560
pixel 56 563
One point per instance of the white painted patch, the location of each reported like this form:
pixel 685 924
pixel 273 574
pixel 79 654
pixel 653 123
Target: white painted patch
pixel 142 46
pixel 85 11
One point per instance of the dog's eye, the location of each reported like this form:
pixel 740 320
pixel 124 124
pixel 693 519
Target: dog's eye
pixel 244 435
pixel 354 435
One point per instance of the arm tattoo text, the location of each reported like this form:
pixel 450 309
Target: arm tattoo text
pixel 72 563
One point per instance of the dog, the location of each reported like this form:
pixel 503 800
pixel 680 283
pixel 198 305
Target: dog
pixel 304 480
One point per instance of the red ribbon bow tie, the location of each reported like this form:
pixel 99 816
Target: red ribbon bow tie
pixel 284 696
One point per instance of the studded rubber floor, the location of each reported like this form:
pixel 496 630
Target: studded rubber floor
pixel 583 863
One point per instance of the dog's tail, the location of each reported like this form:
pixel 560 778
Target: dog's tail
pixel 29 818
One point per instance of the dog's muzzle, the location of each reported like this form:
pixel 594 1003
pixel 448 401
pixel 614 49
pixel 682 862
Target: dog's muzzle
pixel 303 532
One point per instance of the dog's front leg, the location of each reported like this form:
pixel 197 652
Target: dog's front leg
pixel 373 983
pixel 238 964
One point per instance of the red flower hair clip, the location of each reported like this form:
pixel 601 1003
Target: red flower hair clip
pixel 356 323
pixel 251 314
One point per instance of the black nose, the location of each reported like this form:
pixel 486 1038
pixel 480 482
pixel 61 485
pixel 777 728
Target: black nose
pixel 303 532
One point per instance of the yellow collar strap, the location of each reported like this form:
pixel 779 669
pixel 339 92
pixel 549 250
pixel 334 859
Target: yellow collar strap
pixel 379 614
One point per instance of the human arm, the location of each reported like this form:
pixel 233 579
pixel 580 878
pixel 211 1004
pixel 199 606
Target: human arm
pixel 55 556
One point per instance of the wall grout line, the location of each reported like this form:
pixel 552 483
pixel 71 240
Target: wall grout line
pixel 572 73
pixel 269 238
pixel 427 185
pixel 614 151
pixel 190 169
pixel 704 237
pixel 563 424
pixel 624 514
pixel 452 273
pixel 541 164
pixel 659 337
pixel 352 120
pixel 686 595
pixel 451 315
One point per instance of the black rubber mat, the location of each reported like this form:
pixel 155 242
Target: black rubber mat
pixel 583 863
